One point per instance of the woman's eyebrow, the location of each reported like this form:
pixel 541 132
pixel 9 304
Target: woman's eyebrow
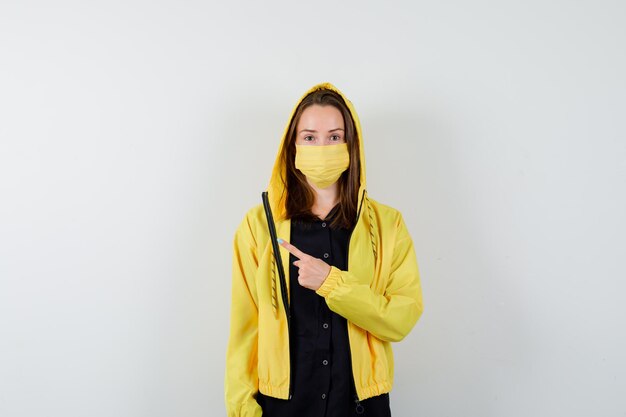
pixel 315 131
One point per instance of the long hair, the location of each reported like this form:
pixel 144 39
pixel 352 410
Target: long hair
pixel 300 195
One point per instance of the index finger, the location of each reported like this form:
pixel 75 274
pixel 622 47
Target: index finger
pixel 292 249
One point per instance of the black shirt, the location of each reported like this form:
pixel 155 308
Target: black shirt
pixel 322 384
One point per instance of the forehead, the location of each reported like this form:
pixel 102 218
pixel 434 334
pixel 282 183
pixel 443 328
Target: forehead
pixel 318 117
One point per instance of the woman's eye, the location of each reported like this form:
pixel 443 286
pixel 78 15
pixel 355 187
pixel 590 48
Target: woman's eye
pixel 305 138
pixel 336 136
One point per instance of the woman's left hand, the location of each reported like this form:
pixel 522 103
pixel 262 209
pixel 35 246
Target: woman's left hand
pixel 312 271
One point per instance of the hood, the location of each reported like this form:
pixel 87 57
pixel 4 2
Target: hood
pixel 277 187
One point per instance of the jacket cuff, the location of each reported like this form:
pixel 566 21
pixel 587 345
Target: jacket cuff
pixel 332 281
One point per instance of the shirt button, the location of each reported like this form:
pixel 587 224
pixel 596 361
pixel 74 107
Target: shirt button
pixel 324 224
pixel 323 396
pixel 326 255
pixel 325 325
pixel 325 362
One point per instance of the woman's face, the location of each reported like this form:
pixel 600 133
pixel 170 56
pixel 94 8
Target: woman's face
pixel 320 125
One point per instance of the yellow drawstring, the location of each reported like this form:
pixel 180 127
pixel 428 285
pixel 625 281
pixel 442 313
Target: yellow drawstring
pixel 372 228
pixel 274 296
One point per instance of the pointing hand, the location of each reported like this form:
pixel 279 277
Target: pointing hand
pixel 312 271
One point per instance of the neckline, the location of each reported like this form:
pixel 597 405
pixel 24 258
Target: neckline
pixel 329 215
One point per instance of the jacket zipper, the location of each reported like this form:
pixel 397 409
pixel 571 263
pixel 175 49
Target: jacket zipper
pixel 359 407
pixel 283 283
pixel 288 314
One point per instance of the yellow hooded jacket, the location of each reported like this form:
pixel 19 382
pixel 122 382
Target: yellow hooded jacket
pixel 380 294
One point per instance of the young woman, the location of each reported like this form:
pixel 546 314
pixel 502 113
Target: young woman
pixel 314 312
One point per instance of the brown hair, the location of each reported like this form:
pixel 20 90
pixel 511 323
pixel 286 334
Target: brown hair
pixel 300 195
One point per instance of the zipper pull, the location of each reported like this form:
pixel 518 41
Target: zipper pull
pixel 359 407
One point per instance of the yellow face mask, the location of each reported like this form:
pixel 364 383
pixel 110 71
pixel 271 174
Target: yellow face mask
pixel 322 164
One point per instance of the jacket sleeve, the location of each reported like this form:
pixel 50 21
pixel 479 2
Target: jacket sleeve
pixel 389 316
pixel 241 377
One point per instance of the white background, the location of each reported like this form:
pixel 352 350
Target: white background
pixel 135 135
